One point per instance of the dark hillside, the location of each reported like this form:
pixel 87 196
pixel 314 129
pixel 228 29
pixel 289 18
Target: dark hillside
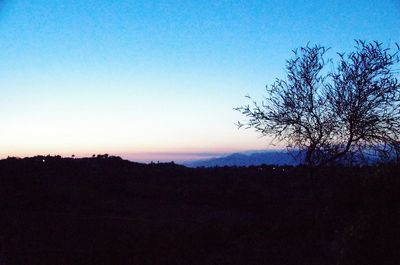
pixel 107 210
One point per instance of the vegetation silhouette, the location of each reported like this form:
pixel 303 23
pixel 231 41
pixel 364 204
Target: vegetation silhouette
pixel 350 109
pixel 106 210
pixel 335 115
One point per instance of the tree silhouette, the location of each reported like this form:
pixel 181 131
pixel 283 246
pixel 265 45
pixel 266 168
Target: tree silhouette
pixel 329 114
pixel 349 109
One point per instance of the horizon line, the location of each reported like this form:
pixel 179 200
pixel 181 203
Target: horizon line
pixel 148 157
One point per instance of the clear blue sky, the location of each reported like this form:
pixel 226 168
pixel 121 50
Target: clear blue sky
pixel 157 80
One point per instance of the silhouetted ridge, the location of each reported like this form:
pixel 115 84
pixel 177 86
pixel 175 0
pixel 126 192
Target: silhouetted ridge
pixel 106 210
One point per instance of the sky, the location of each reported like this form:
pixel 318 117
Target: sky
pixel 157 80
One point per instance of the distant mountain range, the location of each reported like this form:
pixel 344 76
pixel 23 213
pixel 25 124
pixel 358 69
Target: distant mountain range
pixel 276 157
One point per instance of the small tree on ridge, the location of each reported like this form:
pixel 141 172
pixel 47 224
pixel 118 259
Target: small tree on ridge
pixel 331 114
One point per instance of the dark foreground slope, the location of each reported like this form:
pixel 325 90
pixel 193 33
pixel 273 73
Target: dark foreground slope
pixel 111 211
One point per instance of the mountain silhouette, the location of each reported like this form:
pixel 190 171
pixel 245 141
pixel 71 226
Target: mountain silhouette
pixel 275 157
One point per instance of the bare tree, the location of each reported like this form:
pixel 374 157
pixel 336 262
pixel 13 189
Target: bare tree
pixel 350 108
pixel 330 113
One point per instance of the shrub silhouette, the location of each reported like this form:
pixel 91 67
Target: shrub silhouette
pixel 330 114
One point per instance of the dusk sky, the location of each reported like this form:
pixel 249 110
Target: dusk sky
pixel 157 80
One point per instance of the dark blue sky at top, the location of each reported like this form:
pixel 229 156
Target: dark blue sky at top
pixel 160 76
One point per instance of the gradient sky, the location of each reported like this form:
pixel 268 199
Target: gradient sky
pixel 153 80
